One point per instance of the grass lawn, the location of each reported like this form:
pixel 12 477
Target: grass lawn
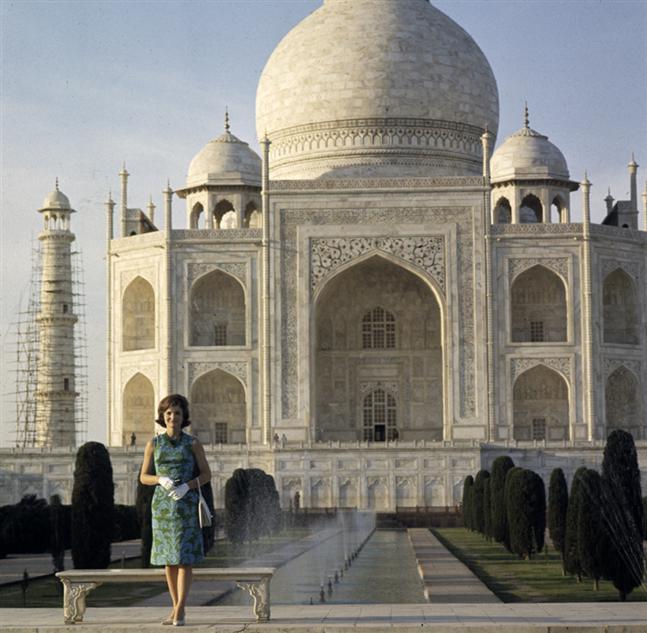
pixel 48 592
pixel 514 580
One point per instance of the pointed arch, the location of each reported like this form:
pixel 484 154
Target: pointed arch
pixel 138 316
pixel 223 207
pixel 344 370
pixel 502 211
pixel 620 307
pixel 538 307
pixel 540 405
pixel 217 311
pixel 218 408
pixel 197 215
pixel 623 403
pixel 559 209
pixel 138 410
pixel 253 219
pixel 531 210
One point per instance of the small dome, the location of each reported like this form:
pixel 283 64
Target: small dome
pixel 376 87
pixel 225 160
pixel 56 200
pixel 528 155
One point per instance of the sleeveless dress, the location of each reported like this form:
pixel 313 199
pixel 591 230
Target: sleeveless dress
pixel 177 537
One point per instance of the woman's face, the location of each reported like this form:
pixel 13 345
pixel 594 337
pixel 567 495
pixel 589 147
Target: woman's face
pixel 173 418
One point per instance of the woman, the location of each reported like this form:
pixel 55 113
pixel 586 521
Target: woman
pixel 177 538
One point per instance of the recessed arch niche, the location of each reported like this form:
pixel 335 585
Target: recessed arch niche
pixel 217 311
pixel 623 403
pixel 138 410
pixel 540 405
pixel 138 316
pixel 409 366
pixel 538 307
pixel 620 308
pixel 218 408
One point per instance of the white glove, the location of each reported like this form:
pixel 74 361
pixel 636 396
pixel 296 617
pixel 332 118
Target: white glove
pixel 166 483
pixel 177 493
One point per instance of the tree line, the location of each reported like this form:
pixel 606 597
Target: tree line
pixel 598 528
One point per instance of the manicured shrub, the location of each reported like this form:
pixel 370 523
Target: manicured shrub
pixel 468 486
pixel 126 523
pixel 592 540
pixel 510 475
pixel 623 513
pixel 478 501
pixel 557 506
pixel 237 503
pixel 92 507
pixel 25 527
pixel 571 550
pixel 500 467
pixel 537 510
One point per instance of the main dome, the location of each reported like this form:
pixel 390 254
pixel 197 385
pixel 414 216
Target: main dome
pixel 376 88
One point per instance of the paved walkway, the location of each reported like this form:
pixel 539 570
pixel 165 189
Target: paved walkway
pixel 37 565
pixel 445 578
pixel 603 617
pixel 204 593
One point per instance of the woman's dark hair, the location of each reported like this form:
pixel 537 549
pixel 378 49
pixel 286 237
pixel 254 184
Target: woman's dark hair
pixel 174 400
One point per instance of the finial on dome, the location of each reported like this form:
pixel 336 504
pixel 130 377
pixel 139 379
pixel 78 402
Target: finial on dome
pixel 227 126
pixel 526 116
pixel 57 189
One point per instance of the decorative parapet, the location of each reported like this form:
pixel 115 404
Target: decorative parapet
pixel 334 184
pixel 617 232
pixel 536 229
pixel 218 235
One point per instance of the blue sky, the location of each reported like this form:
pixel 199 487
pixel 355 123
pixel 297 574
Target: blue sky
pixel 87 85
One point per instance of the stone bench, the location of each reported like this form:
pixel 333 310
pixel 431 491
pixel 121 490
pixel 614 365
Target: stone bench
pixel 78 583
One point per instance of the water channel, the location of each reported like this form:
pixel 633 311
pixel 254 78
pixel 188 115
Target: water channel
pixel 384 572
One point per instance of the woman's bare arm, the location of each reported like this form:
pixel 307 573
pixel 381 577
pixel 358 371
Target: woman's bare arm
pixel 203 465
pixel 145 476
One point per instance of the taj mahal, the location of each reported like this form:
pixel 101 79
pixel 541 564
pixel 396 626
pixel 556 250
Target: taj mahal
pixel 383 301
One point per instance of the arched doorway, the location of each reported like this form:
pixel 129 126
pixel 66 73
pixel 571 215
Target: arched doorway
pixel 378 352
pixel 138 316
pixel 540 405
pixel 218 409
pixel 530 210
pixel 138 411
pixel 538 306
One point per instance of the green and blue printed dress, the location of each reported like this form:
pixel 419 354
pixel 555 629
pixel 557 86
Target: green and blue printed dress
pixel 177 537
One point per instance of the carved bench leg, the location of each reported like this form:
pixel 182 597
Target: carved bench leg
pixel 74 594
pixel 260 592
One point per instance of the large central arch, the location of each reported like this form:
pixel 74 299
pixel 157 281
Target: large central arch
pixel 378 330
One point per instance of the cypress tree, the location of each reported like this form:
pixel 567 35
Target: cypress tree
pixel 520 496
pixel 571 549
pixel 237 503
pixel 557 506
pixel 500 468
pixel 536 510
pixel 468 485
pixel 592 541
pixel 478 502
pixel 92 507
pixel 623 513
pixel 510 475
pixel 487 509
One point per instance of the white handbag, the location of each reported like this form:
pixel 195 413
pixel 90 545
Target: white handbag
pixel 204 514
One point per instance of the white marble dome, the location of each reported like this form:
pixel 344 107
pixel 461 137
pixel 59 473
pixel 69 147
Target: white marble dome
pixel 376 87
pixel 225 160
pixel 56 200
pixel 528 155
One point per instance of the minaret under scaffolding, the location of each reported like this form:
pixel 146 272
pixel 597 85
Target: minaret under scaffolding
pixel 55 384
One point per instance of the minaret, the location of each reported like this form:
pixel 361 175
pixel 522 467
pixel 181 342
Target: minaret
pixel 55 384
pixel 609 202
pixel 633 186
